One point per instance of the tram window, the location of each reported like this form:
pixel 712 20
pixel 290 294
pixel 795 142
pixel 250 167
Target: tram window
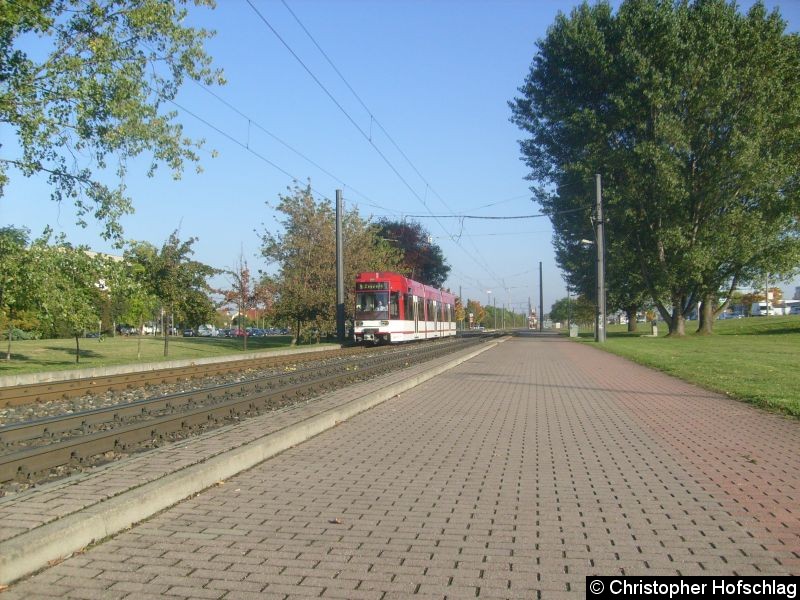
pixel 409 316
pixel 394 305
pixel 373 303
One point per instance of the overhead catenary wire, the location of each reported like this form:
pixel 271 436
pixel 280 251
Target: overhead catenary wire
pixel 368 137
pixel 246 145
pixel 288 146
pixel 373 118
pixel 503 218
pixel 334 100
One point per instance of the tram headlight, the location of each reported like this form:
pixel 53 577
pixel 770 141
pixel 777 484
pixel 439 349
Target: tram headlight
pixel 384 322
pixel 359 323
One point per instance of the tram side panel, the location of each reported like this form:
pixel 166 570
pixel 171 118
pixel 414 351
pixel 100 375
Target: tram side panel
pixel 391 308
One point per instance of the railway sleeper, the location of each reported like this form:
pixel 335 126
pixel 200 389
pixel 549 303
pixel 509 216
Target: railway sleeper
pixel 25 464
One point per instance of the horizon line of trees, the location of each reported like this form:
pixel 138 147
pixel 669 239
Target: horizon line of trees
pixel 56 290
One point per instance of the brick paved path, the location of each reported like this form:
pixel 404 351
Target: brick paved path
pixel 512 476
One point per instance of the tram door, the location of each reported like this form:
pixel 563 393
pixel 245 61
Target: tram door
pixel 416 316
pixel 435 306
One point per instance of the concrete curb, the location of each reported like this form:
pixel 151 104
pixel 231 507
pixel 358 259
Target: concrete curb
pixel 69 375
pixel 31 551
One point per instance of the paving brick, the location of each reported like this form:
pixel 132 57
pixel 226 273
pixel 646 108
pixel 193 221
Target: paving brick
pixel 539 462
pixel 84 593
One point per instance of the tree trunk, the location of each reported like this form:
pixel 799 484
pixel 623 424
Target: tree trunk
pixel 706 316
pixel 77 348
pixel 677 321
pixel 10 335
pixel 630 312
pixel 166 337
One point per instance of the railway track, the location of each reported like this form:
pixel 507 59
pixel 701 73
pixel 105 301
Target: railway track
pixel 20 395
pixel 32 449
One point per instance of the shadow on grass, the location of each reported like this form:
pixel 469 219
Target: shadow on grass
pixel 232 344
pixel 14 358
pixel 85 353
pixel 766 331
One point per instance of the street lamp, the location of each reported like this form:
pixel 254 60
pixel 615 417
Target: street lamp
pixel 600 329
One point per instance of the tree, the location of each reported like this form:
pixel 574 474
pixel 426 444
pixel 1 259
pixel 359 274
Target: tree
pixel 128 297
pixel 304 253
pixel 171 276
pixel 423 260
pixel 141 306
pixel 68 279
pixel 460 313
pixel 243 293
pixel 562 310
pixel 690 111
pixel 15 293
pixel 98 92
pixel 478 312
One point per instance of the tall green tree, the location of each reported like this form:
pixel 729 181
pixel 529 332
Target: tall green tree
pixel 99 90
pixel 423 260
pixel 67 280
pixel 172 276
pixel 691 113
pixel 477 311
pixel 16 293
pixel 303 249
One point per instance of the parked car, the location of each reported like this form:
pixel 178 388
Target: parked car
pixel 207 331
pixel 240 333
pixel 188 333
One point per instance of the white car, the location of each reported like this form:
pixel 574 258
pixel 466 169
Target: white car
pixel 206 331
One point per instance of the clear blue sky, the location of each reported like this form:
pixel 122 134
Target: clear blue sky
pixel 436 76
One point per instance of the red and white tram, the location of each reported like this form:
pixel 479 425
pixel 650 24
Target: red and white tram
pixel 392 308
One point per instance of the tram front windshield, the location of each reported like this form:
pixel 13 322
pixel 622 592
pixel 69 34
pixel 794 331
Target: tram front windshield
pixel 372 305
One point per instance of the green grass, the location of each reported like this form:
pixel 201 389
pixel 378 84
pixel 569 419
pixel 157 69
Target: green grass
pixel 756 359
pixel 30 356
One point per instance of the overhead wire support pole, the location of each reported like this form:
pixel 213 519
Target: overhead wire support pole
pixel 600 329
pixel 340 329
pixel 541 299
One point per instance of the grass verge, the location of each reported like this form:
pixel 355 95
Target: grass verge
pixel 31 356
pixel 756 359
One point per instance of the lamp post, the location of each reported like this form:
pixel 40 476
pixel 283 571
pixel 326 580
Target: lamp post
pixel 488 302
pixel 600 334
pixel 599 243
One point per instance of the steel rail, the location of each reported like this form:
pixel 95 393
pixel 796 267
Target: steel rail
pixel 26 464
pixel 49 427
pixel 19 395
